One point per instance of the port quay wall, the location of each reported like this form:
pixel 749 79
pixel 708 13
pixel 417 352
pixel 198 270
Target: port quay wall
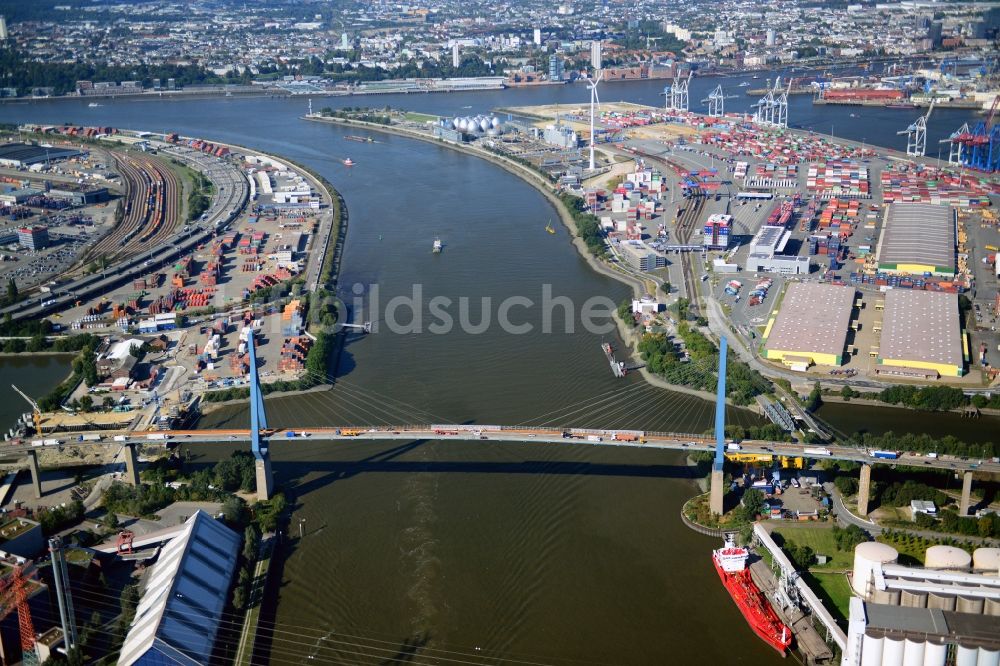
pixel 701 529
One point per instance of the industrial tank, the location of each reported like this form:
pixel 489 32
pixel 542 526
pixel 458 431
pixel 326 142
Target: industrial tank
pixel 913 653
pixel 941 601
pixel 871 651
pixel 911 599
pixel 892 652
pixel 966 656
pixel 867 556
pixel 988 657
pixel 986 561
pixel 935 654
pixel 947 557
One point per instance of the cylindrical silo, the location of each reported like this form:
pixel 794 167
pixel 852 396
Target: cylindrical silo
pixel 972 605
pixel 949 558
pixel 941 601
pixel 912 599
pixel 871 651
pixel 988 657
pixel 887 597
pixel 892 652
pixel 986 561
pixel 966 656
pixel 934 654
pixel 867 556
pixel 913 653
pixel 992 607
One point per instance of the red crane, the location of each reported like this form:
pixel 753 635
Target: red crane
pixel 13 595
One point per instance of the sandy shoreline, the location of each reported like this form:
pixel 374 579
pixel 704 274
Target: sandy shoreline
pixel 539 183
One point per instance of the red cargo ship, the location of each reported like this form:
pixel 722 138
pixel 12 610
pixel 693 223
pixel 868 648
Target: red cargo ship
pixel 730 561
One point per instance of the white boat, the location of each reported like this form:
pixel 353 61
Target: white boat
pixel 744 84
pixel 93 105
pixel 437 245
pixel 348 162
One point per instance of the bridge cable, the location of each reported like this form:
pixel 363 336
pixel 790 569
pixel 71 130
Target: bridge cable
pixel 237 621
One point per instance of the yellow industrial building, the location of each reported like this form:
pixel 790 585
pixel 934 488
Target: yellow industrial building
pixel 921 335
pixel 811 326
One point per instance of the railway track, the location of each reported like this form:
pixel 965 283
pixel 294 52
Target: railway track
pixel 151 209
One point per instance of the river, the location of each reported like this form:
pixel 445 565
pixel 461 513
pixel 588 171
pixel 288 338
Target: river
pixel 497 553
pixel 35 374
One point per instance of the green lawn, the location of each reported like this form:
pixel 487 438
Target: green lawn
pixel 820 539
pixel 834 591
pixel 419 117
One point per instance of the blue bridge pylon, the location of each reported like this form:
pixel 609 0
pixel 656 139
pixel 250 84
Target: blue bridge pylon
pixel 258 423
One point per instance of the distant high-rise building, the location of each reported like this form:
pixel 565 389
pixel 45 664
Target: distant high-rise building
pixel 770 37
pixel 33 238
pixel 345 41
pixel 3 29
pixel 456 56
pixel 538 37
pixel 595 54
pixel 555 67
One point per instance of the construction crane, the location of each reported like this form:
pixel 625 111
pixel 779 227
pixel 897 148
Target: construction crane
pixel 14 596
pixel 36 411
pixel 916 134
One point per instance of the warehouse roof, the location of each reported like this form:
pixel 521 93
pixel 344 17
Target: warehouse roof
pixel 180 611
pixel 921 326
pixel 917 233
pixel 24 154
pixel 814 317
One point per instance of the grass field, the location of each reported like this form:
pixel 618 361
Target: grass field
pixel 820 539
pixel 833 589
pixel 419 117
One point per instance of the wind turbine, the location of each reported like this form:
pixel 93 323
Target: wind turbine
pixel 594 99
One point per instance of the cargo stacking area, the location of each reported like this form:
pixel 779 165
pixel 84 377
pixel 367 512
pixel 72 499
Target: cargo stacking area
pixel 787 205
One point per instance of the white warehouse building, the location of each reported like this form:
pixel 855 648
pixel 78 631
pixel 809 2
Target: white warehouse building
pixel 766 256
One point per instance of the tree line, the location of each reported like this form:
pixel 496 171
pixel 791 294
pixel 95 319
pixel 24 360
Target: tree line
pixel 18 70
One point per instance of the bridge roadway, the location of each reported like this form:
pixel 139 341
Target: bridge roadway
pixel 513 434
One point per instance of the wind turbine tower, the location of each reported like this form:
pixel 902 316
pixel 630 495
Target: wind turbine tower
pixel 594 101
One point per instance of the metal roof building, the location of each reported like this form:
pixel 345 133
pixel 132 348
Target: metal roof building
pixel 916 239
pixel 811 326
pixel 180 610
pixel 23 154
pixel 921 331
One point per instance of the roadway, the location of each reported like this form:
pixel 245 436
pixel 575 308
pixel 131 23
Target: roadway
pixel 510 434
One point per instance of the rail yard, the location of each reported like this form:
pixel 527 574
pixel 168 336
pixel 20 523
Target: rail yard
pixel 151 196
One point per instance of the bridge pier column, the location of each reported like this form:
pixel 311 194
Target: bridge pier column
pixel 265 479
pixel 717 492
pixel 864 489
pixel 131 465
pixel 36 474
pixel 963 507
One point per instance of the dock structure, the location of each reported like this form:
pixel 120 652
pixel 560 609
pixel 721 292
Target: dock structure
pixel 617 367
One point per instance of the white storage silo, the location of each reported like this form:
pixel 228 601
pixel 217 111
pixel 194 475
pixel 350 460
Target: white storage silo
pixel 871 651
pixel 948 558
pixel 986 561
pixel 966 656
pixel 934 654
pixel 867 556
pixel 892 652
pixel 913 653
pixel 988 657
